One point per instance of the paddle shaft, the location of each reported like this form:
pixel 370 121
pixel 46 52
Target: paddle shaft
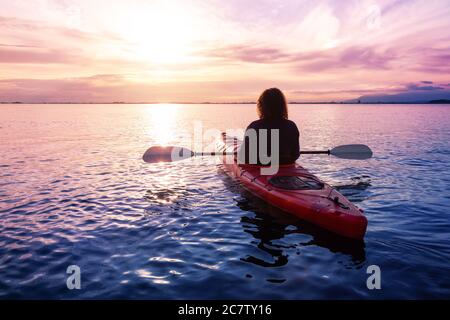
pixel 201 154
pixel 316 152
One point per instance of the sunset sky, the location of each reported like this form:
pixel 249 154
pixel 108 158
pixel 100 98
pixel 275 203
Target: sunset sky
pixel 216 50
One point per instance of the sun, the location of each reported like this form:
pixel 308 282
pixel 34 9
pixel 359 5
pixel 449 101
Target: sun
pixel 162 33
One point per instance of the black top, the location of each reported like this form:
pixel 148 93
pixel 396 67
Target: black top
pixel 289 145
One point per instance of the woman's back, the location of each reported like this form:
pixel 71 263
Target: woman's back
pixel 273 114
pixel 288 139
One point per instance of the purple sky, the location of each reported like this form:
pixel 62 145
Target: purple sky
pixel 63 50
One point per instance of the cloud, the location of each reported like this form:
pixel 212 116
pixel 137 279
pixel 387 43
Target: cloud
pixel 253 54
pixel 59 90
pixel 427 82
pixel 417 96
pixel 121 87
pixel 431 60
pixel 16 46
pixel 41 29
pixel 23 54
pixel 411 92
pixel 30 41
pixel 416 87
pixel 354 57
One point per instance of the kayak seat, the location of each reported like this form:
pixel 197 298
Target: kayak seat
pixel 295 183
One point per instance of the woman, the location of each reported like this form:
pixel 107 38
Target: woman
pixel 273 114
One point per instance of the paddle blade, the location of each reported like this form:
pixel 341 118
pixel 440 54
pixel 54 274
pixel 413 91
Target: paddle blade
pixel 166 154
pixel 352 152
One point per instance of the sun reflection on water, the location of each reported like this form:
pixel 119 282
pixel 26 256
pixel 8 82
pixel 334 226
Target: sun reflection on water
pixel 163 118
pixel 143 273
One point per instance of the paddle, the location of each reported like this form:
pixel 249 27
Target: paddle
pixel 171 153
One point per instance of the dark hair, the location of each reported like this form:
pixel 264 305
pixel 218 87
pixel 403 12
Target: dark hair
pixel 272 105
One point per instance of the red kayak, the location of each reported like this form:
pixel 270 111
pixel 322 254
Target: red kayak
pixel 295 190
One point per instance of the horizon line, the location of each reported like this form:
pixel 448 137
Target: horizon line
pixel 235 102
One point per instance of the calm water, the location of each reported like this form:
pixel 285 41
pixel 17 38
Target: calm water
pixel 74 190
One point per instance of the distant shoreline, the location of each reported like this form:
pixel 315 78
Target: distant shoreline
pixel 443 101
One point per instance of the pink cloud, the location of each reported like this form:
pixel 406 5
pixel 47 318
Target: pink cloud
pixel 248 54
pixel 16 46
pixel 419 87
pixel 352 57
pixel 13 25
pixel 95 88
pixel 431 60
pixel 116 87
pixel 24 54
